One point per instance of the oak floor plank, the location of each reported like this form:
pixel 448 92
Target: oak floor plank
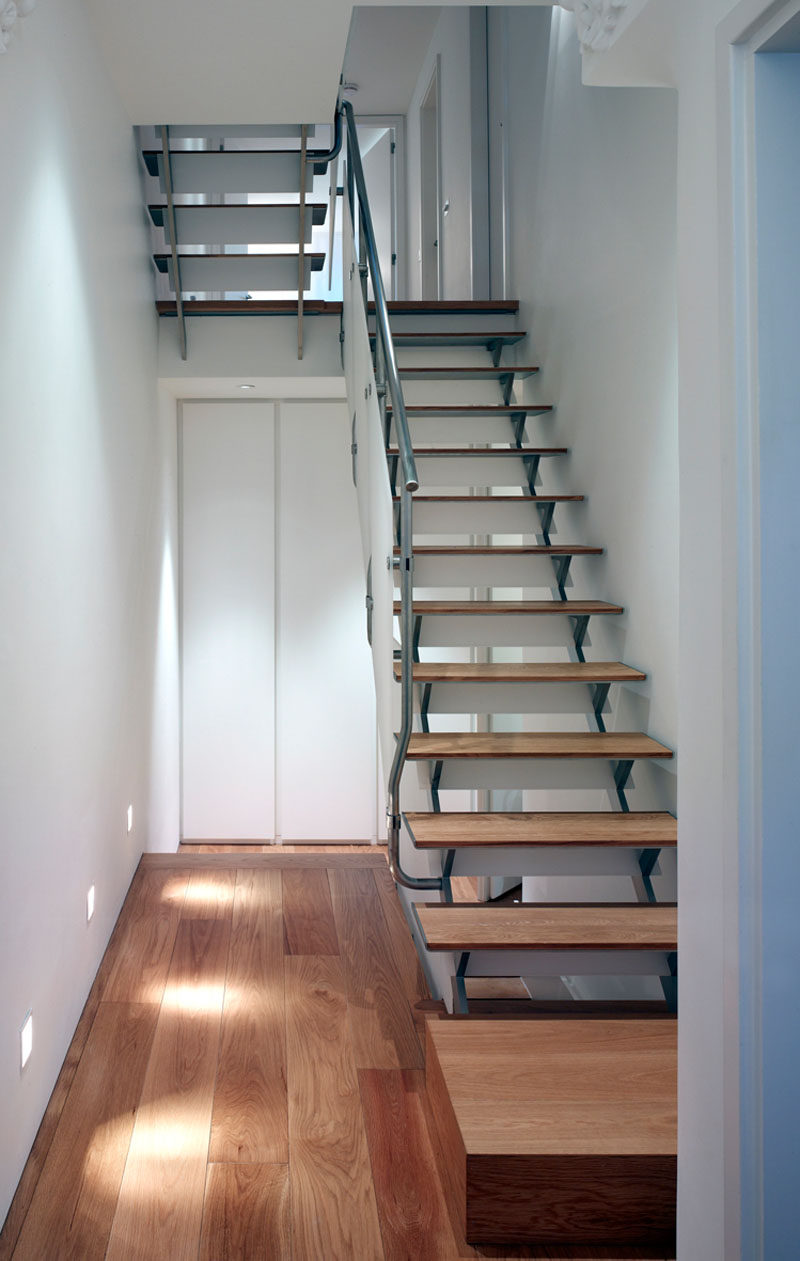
pixel 405 954
pixel 308 914
pixel 273 856
pixel 144 948
pixel 160 1204
pixel 246 1213
pixel 72 1209
pixel 411 1207
pixel 209 894
pixel 380 1018
pixel 333 1200
pixel 249 1121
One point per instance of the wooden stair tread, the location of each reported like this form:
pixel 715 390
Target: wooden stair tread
pixel 558 1132
pixel 522 672
pixel 450 306
pixel 481 451
pixel 543 926
pixel 493 499
pixel 456 338
pixel 460 373
pixel 248 306
pixel 549 1087
pixel 473 409
pixel 510 549
pixel 572 608
pixel 460 829
pixel 622 745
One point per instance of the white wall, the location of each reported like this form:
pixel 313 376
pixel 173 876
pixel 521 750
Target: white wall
pixel 81 516
pixel 592 260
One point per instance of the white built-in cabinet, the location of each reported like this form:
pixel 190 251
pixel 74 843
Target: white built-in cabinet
pixel 278 702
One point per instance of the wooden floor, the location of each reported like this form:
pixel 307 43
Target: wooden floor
pixel 246 1080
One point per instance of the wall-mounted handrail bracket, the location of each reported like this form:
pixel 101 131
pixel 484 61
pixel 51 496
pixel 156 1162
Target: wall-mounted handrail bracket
pixel 173 240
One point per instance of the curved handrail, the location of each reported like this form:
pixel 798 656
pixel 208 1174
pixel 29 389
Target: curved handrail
pixel 385 356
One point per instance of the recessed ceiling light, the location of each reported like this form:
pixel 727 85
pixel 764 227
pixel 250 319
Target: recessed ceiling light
pixel 247 387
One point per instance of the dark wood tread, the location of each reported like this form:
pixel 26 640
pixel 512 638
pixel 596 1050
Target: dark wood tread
pixel 474 409
pixel 437 746
pixel 319 209
pixel 462 830
pixel 558 1131
pixel 151 156
pixel 163 259
pixel 523 672
pixel 451 306
pixel 572 608
pixel 492 337
pixel 549 926
pixel 244 306
pixel 494 499
pixel 454 373
pixel 422 452
pixel 510 549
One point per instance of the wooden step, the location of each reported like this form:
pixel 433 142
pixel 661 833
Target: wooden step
pixel 491 339
pixel 548 926
pixel 557 1132
pixel 482 452
pixel 238 131
pixel 224 272
pixel 463 830
pixel 502 373
pixel 237 171
pixel 439 746
pixel 249 306
pixel 509 549
pixel 526 500
pixel 474 409
pixel 239 225
pixel 522 672
pixel 502 608
pixel 451 306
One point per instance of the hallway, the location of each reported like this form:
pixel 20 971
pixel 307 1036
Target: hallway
pixel 246 1080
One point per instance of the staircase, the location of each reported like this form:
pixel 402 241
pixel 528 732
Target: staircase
pixel 235 214
pixel 555 1120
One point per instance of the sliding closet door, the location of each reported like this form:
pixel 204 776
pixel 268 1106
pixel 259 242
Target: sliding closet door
pixel 228 621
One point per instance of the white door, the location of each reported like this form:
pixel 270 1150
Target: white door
pixel 228 621
pixel 430 191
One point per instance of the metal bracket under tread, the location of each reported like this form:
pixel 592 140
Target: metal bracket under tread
pixel 460 1000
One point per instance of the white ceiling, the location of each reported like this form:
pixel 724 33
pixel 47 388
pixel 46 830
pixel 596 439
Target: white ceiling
pixel 204 61
pixel 384 55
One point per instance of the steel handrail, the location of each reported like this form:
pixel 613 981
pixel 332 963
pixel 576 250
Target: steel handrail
pixel 385 358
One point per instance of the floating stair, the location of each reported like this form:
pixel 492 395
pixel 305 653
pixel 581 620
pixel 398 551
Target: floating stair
pixel 451 829
pixel 548 926
pixel 231 171
pixel 618 745
pixel 502 373
pixel 238 225
pixel 235 272
pixel 557 1132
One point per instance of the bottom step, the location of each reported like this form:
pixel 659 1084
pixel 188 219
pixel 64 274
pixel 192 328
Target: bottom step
pixel 557 1132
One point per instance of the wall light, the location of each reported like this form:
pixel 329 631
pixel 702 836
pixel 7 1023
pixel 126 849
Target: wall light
pixel 90 904
pixel 10 13
pixel 26 1040
pixel 130 818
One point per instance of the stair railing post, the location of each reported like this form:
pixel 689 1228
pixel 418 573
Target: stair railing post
pixel 173 240
pixel 301 259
